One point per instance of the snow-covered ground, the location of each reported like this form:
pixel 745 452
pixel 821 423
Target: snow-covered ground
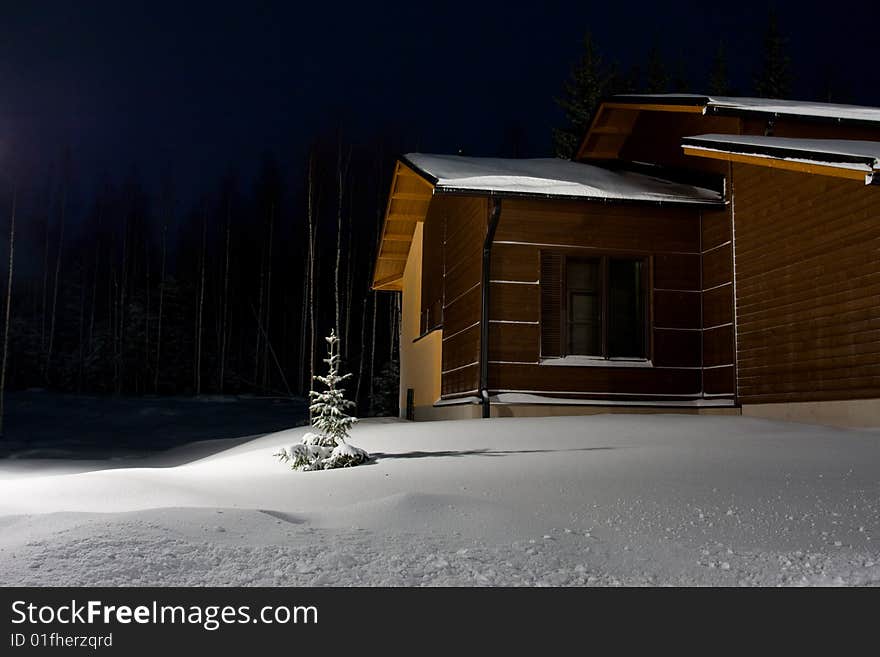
pixel 604 500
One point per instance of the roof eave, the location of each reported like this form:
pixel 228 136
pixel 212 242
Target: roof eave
pixel 781 152
pixel 726 110
pixel 494 193
pixel 798 166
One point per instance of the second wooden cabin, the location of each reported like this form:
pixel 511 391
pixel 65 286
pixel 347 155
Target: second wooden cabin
pixel 702 255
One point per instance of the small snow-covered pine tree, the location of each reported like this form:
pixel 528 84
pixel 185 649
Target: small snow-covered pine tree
pixel 327 448
pixel 329 407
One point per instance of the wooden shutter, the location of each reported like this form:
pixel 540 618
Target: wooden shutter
pixel 551 304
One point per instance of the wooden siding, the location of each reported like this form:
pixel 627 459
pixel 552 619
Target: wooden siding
pixel 625 228
pixel 668 237
pixel 807 286
pixel 809 129
pixel 717 317
pixel 656 138
pixel 433 266
pixel 464 227
pixel 596 382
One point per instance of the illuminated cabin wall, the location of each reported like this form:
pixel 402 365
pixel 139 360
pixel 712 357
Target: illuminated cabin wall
pixel 419 357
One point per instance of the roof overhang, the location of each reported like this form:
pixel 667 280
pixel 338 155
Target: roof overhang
pixel 407 205
pixel 419 177
pixel 552 179
pixel 818 157
pixel 616 116
pixel 615 119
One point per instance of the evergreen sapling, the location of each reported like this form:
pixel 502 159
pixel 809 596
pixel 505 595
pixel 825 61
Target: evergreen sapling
pixel 327 447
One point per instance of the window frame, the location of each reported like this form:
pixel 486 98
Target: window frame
pixel 604 260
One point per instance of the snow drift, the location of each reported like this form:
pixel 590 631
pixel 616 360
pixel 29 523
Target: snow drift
pixel 616 499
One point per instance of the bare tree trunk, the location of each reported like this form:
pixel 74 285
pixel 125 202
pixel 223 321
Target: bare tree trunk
pixel 147 349
pixel 357 393
pixel 268 299
pixel 55 288
pixel 161 303
pixel 373 354
pixel 198 371
pixel 224 324
pixel 8 307
pixel 45 272
pixel 303 328
pixel 311 272
pixel 274 357
pixel 375 299
pixel 258 347
pixel 120 316
pixel 348 290
pixel 391 307
pixel 342 172
pixel 50 197
pixel 95 285
pixel 35 298
pixel 111 299
pixel 82 330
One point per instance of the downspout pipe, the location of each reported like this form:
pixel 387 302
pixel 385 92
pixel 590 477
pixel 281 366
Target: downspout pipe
pixel 494 215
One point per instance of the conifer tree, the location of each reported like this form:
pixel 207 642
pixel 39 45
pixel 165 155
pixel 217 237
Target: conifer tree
pixel 719 83
pixel 329 406
pixel 328 448
pixel 582 93
pixel 774 75
pixel 679 82
pixel 658 76
pixel 633 80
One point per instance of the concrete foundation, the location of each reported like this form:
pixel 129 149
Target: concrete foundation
pixel 473 411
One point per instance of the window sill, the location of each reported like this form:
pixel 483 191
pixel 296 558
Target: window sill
pixel 593 361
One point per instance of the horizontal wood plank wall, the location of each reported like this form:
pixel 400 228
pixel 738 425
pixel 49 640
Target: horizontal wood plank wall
pixel 465 220
pixel 810 129
pixel 807 287
pixel 670 236
pixel 719 374
pixel 431 311
pixel 656 138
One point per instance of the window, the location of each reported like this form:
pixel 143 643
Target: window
pixel 593 306
pixel 583 296
pixel 626 309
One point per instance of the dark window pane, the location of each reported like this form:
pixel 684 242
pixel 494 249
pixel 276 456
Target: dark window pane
pixel 583 275
pixel 584 307
pixel 626 309
pixel 583 339
pixel 583 324
pixel 584 301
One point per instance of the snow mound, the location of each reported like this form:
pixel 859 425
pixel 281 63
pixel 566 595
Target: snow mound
pixel 563 501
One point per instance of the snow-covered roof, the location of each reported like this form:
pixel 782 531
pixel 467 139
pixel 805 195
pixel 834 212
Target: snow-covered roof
pixel 862 156
pixel 761 105
pixel 550 177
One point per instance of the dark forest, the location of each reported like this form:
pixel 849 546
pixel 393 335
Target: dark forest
pixel 129 288
pixel 129 293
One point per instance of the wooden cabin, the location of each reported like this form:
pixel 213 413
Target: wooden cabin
pixel 700 255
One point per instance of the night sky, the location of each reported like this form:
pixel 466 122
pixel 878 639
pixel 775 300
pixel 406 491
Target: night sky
pixel 203 88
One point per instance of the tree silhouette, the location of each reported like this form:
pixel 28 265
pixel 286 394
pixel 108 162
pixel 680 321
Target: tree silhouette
pixel 774 75
pixel 582 93
pixel 719 81
pixel 658 76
